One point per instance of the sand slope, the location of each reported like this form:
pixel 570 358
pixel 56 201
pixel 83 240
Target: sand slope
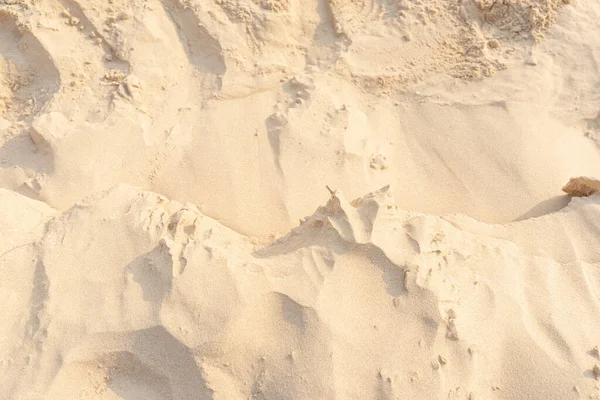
pixel 179 97
pixel 145 297
pixel 159 158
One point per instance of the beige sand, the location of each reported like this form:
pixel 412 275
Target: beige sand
pixel 157 155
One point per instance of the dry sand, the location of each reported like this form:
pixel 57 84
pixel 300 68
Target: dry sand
pixel 156 156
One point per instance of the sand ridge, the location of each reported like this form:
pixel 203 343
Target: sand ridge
pixel 441 302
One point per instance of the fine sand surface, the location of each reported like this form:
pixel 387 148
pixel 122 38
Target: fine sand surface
pixel 299 199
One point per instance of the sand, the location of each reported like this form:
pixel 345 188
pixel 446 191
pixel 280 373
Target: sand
pixel 285 199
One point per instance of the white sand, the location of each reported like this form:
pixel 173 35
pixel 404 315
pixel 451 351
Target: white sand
pixel 156 156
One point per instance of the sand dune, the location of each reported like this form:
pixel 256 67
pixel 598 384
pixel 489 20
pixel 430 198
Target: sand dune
pixel 166 231
pixel 138 296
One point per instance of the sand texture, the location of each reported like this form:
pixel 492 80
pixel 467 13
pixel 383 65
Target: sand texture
pixel 303 200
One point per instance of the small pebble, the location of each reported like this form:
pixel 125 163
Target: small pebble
pixel 531 61
pixel 378 161
pixel 596 371
pixel 123 16
pixel 451 332
pixel 493 44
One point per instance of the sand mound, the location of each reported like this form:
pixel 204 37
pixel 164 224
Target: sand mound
pixel 359 301
pixel 157 155
pixel 179 97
